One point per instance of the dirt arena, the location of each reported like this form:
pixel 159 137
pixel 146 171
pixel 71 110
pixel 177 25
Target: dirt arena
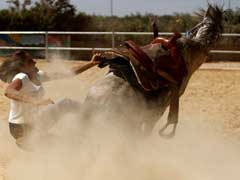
pixel 206 146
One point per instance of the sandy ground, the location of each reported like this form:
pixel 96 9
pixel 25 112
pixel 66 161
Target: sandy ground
pixel 212 99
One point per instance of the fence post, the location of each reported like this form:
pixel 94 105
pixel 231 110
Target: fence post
pixel 46 45
pixel 113 39
pixel 111 11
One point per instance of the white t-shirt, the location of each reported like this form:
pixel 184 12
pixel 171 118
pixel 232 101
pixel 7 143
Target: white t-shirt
pixel 21 112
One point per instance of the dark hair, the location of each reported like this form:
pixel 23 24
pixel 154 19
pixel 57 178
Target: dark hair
pixel 10 67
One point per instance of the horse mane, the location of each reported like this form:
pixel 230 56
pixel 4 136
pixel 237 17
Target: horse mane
pixel 209 30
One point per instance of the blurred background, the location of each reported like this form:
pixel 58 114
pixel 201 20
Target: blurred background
pixel 74 28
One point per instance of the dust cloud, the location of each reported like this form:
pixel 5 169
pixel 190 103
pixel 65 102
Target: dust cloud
pixel 102 151
pixel 197 152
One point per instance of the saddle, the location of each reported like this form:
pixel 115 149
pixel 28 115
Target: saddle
pixel 150 68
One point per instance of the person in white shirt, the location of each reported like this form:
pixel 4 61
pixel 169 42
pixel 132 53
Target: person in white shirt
pixel 29 110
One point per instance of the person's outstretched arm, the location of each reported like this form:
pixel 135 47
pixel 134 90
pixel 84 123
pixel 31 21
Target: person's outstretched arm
pixel 81 68
pixel 74 70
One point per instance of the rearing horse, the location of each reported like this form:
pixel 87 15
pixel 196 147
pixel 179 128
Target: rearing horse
pixel 144 81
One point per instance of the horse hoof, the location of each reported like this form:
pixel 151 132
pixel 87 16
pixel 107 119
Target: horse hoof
pixel 166 136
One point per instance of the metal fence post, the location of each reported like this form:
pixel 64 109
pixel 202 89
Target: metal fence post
pixel 46 45
pixel 113 38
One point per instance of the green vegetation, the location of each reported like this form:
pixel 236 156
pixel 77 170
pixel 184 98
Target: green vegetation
pixel 61 15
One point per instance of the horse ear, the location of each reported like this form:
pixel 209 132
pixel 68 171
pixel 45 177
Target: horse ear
pixel 208 10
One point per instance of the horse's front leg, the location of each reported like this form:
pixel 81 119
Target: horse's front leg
pixel 172 115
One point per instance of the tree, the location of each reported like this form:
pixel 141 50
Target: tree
pixel 16 6
pixel 25 4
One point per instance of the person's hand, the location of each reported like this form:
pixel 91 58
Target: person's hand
pixel 44 102
pixel 96 58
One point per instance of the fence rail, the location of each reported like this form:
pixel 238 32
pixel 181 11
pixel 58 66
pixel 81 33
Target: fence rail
pixel 99 33
pixel 46 48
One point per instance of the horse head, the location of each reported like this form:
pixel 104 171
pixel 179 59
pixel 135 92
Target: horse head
pixel 200 39
pixel 210 28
